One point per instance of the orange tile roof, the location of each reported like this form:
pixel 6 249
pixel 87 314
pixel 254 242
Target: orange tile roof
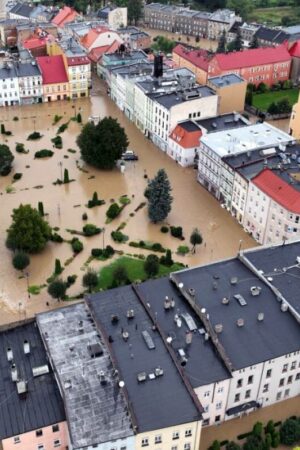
pixel 184 138
pixel 92 35
pixel 65 15
pixel 96 53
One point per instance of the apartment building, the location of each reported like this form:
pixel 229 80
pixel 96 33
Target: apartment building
pixel 9 85
pixel 213 171
pixel 231 89
pixel 269 65
pixel 121 57
pixel 27 377
pixel 295 54
pixel 220 21
pixel 161 17
pixel 184 140
pixel 268 37
pixel 55 82
pixel 30 83
pixel 115 17
pixel 64 16
pixel 295 120
pixel 135 38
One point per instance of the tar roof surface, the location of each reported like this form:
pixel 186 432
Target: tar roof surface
pixel 96 413
pixel 256 341
pixel 280 263
pixel 158 403
pixel 42 405
pixel 226 80
pixel 203 366
pixel 170 99
pixel 223 122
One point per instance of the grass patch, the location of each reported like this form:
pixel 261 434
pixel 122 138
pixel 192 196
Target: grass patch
pixel 271 16
pixel 35 289
pixel 135 271
pixel 263 101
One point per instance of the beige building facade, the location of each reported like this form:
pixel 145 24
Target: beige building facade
pixel 295 120
pixel 231 90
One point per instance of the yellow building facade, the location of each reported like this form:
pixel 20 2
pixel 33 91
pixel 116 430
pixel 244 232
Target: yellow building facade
pixel 295 120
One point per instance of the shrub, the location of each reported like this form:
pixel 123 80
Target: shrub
pixel 43 153
pixel 57 289
pixel 62 128
pixel 215 446
pixel 176 232
pixel 232 446
pixel 157 247
pixel 56 119
pixel 77 245
pixel 262 87
pixel 56 238
pixel 90 230
pixel 113 211
pixel 182 250
pixel 17 176
pixel 71 280
pixel 20 148
pixel 275 440
pixel 90 279
pixel 120 276
pixel 34 136
pixel 66 176
pixel 290 432
pixel 84 216
pixel 257 429
pixel 57 142
pixel 109 251
pixel 142 244
pixel 6 159
pixel 118 236
pixel 96 252
pixel 95 201
pixel 284 106
pixel 58 269
pixel 79 118
pixel 151 265
pixel 167 260
pixel 124 200
pixel 164 229
pixel 20 261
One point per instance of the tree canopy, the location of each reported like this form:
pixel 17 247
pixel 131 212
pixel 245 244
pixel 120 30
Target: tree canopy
pixel 20 261
pixel 102 144
pixel 222 43
pixel 6 159
pixel 151 265
pixel 158 193
pixel 195 239
pixel 57 289
pixel 90 279
pixel 29 232
pixel 135 10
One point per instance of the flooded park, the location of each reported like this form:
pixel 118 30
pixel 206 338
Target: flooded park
pixel 64 204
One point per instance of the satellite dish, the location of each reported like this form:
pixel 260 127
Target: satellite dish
pixel 121 384
pixel 180 285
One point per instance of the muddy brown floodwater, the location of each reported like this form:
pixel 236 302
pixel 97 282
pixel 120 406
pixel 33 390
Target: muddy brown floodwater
pixel 64 205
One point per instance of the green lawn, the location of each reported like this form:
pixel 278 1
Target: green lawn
pixel 135 270
pixel 273 16
pixel 263 101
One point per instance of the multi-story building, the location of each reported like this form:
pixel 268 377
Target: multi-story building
pixel 231 89
pixel 268 37
pixel 30 83
pixel 213 171
pixel 64 16
pixel 9 85
pixel 220 21
pixel 295 120
pixel 268 65
pixel 98 37
pixel 27 377
pixel 55 81
pixel 20 11
pixel 295 54
pixel 161 17
pixel 184 140
pixel 247 32
pixel 135 38
pixel 119 58
pixel 116 17
pixel 272 210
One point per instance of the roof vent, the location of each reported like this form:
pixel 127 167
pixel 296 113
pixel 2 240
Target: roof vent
pixel 21 387
pixel 233 281
pixel 219 328
pixel 158 371
pixel 167 303
pixel 95 350
pixel 260 316
pixel 80 326
pixel 40 370
pixel 240 322
pixel 206 336
pixel 102 377
pixel 125 335
pixel 298 259
pixel 148 339
pixel 130 314
pixel 169 340
pixel 225 301
pixel 14 372
pixel 255 290
pixel 26 347
pixel 188 337
pixel 9 354
pixel 192 292
pixel 114 319
pixel 189 321
pixel 182 357
pixel 67 384
pixel 284 307
pixel 270 279
pixel 215 285
pixel 240 299
pixel 142 376
pixel 177 320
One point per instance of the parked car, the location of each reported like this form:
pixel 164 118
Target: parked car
pixel 129 155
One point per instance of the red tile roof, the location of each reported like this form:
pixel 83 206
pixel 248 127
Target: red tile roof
pixel 92 35
pixel 35 41
pixel 295 49
pixel 77 60
pixel 53 69
pixel 279 190
pixel 184 138
pixel 252 57
pixel 96 53
pixel 200 58
pixel 65 15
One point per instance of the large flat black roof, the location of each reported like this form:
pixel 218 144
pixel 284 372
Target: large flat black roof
pixel 257 340
pixel 162 400
pixel 281 268
pixel 42 405
pixel 223 122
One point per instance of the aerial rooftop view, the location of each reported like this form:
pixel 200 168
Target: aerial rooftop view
pixel 150 231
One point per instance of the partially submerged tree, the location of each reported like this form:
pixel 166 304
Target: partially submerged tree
pixel 195 239
pixel 57 289
pixel 158 193
pixel 6 159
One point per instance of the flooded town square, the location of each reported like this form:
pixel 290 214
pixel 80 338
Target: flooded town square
pixel 65 204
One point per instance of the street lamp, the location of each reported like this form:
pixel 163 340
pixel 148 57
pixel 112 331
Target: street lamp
pixel 61 175
pixel 103 231
pixel 27 284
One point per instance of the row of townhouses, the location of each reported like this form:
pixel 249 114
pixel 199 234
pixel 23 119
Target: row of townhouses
pixel 148 365
pixel 184 20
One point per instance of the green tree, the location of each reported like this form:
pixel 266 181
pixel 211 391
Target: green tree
pixel 6 159
pixel 102 144
pixel 120 275
pixel 222 43
pixel 268 441
pixel 90 279
pixel 158 193
pixel 57 289
pixel 243 8
pixel 20 261
pixel 254 443
pixel 134 11
pixel 284 106
pixel 215 445
pixel 151 265
pixel 28 232
pixel 237 43
pixel 113 211
pixel 275 440
pixel 66 176
pixel 273 108
pixel 254 42
pixel 57 269
pixel 257 429
pixel 166 259
pixel 270 428
pixel 163 44
pixel 290 432
pixel 232 446
pixel 195 239
pixel 41 209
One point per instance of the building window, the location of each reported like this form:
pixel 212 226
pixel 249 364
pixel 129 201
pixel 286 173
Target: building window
pixel 220 389
pixel 237 398
pixel 145 442
pixel 40 447
pixel 248 393
pixel 250 379
pixel 175 435
pixel 266 388
pixel 157 439
pixel 55 428
pixel 278 396
pixel 188 433
pixel 174 447
pixel 285 368
pixel 281 382
pixel 219 405
pixel 293 365
pixel 187 446
pixel 269 373
pixel 290 379
pixel 206 394
pixel 205 422
pixel 39 433
pixel 239 383
pixel 286 392
pixel 56 443
pixel 17 440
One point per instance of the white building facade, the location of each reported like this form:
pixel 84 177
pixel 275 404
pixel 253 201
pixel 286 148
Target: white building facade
pixel 9 86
